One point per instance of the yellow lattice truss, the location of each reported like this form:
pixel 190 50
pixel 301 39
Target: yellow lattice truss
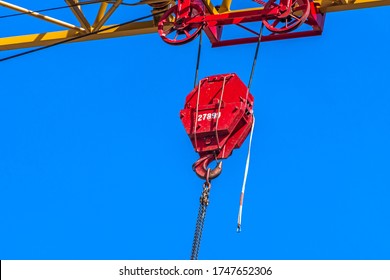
pixel 107 9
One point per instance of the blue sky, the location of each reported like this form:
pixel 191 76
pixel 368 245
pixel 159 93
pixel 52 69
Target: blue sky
pixel 95 163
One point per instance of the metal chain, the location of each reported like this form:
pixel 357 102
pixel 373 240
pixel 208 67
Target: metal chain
pixel 204 202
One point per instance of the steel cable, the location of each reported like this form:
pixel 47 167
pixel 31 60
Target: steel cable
pixel 198 59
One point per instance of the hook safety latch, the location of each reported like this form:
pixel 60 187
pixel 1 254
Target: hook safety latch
pixel 201 167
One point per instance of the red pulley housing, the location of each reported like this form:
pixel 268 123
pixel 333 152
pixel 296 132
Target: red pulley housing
pixel 217 116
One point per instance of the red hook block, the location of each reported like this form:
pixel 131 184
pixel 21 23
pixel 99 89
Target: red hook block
pixel 217 116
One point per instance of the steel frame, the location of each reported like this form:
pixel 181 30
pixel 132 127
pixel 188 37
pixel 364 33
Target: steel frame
pixel 214 23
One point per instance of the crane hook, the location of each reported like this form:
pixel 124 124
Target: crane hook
pixel 201 167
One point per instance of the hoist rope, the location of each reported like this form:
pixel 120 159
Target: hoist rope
pixel 239 219
pixel 255 58
pixel 78 37
pixel 198 59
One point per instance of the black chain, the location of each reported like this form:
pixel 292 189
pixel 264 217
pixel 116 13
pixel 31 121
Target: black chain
pixel 204 202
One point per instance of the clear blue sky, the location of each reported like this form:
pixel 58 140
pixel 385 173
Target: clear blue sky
pixel 95 163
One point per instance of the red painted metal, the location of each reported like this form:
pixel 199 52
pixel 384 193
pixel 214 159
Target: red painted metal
pixel 281 17
pixel 180 31
pixel 217 116
pixel 294 15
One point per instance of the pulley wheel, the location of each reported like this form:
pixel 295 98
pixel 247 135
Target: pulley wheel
pixel 300 10
pixel 176 31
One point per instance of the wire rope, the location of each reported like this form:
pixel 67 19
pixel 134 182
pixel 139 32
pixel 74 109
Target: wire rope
pixel 198 59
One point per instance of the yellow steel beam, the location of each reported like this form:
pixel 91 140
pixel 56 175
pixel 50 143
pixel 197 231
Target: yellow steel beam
pixel 79 14
pixel 45 39
pixel 210 7
pixel 344 5
pixel 225 6
pixel 100 14
pixel 40 16
pixel 107 15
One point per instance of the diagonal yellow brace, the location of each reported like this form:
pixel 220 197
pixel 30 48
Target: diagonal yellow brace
pixel 107 15
pixel 100 14
pixel 45 39
pixel 338 5
pixel 225 6
pixel 40 16
pixel 79 14
pixel 210 7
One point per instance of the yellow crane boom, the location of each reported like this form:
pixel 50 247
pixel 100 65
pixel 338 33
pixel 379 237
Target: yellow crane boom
pixel 107 9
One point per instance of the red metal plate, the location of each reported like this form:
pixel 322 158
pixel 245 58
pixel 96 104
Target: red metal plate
pixel 218 115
